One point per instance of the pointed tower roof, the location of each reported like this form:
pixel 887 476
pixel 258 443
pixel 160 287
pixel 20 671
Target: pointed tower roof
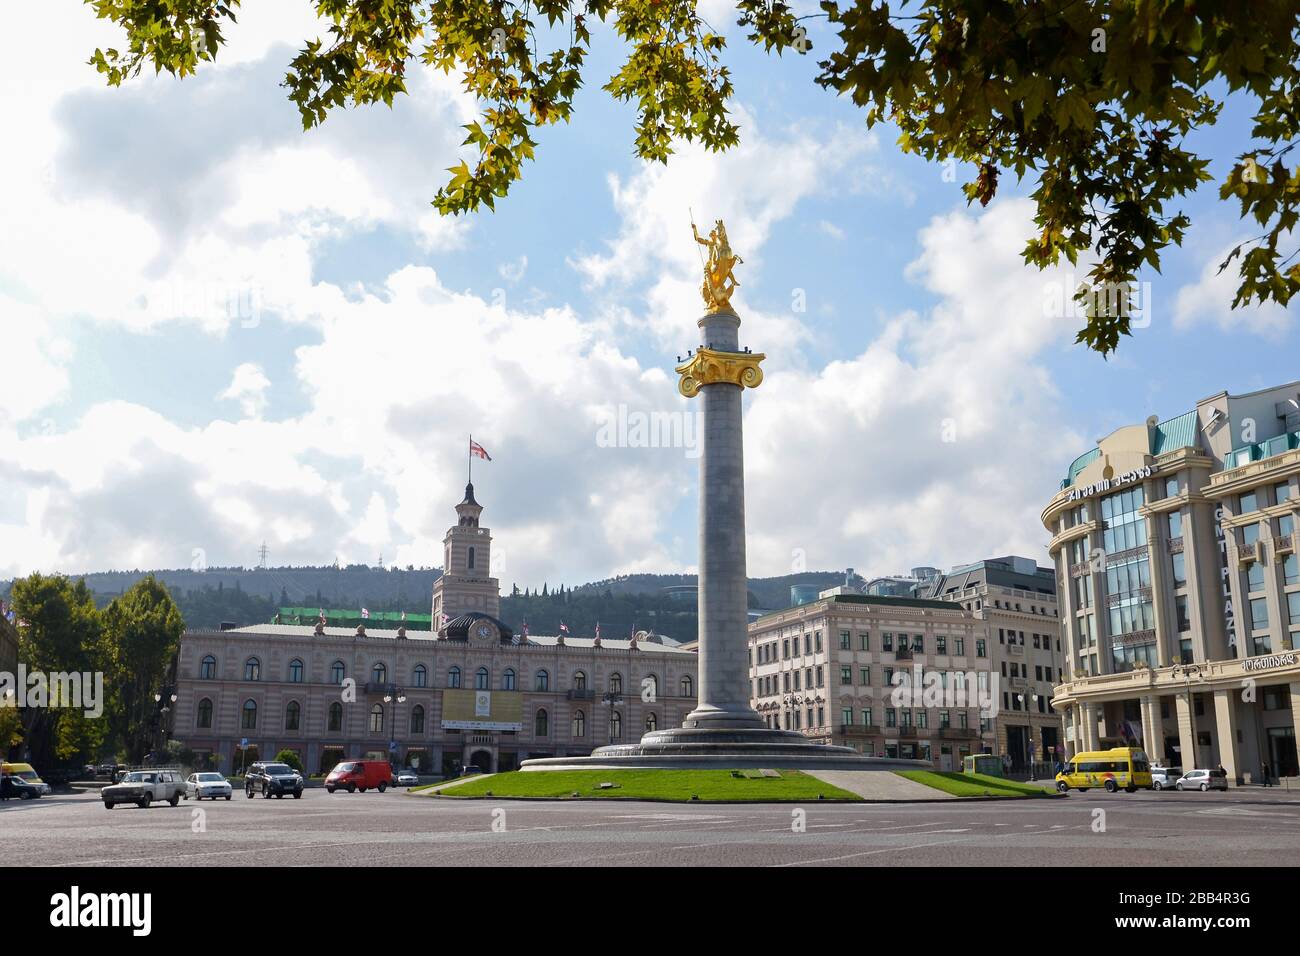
pixel 469 509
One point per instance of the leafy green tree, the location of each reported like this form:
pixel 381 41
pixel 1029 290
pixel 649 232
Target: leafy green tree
pixel 11 730
pixel 142 630
pixel 1093 99
pixel 291 758
pixel 63 633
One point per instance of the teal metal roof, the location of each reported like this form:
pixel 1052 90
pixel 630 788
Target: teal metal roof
pixel 1180 432
pixel 1080 463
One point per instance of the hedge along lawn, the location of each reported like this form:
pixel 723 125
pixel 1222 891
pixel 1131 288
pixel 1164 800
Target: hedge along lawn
pixel 974 784
pixel 677 785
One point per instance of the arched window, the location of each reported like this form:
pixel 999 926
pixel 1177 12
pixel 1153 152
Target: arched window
pixel 335 717
pixel 481 678
pixel 650 688
pixel 379 674
pixel 252 669
pixel 336 672
pixel 208 668
pixel 579 724
pixel 615 725
pixel 421 676
pixel 471 558
pixel 248 720
pixel 417 719
pixel 292 715
pixel 377 719
pixel 295 671
pixel 205 713
pixel 616 683
pixel 579 680
pixel 687 686
pixel 651 722
pixel 453 677
pixel 508 679
pixel 543 681
pixel 541 724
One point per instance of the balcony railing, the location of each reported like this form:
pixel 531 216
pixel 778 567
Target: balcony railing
pixel 580 693
pixel 1285 544
pixel 903 654
pixel 1250 553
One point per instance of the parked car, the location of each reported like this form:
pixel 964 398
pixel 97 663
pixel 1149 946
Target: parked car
pixel 1203 780
pixel 273 780
pixel 363 775
pixel 1165 778
pixel 143 787
pixel 25 773
pixel 407 778
pixel 210 785
pixel 16 788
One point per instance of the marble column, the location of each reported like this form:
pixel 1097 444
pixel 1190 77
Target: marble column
pixel 723 588
pixel 1187 755
pixel 1226 731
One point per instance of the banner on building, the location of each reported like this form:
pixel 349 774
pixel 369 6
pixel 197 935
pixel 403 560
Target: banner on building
pixel 482 710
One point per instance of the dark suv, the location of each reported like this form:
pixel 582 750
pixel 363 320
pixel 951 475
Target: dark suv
pixel 273 780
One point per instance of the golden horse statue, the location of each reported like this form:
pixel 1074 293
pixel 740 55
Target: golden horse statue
pixel 719 282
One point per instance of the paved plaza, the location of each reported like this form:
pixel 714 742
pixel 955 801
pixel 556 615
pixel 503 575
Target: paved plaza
pixel 1141 830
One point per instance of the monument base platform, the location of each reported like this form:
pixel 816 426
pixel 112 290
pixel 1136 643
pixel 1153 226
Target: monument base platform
pixel 687 748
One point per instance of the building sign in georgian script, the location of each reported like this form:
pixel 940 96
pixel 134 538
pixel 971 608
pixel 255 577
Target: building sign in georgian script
pixel 1264 663
pixel 1106 484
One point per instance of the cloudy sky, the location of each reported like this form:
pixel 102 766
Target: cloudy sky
pixel 219 330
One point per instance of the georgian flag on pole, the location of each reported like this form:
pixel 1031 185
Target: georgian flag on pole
pixel 478 451
pixel 598 630
pixel 365 614
pixel 564 628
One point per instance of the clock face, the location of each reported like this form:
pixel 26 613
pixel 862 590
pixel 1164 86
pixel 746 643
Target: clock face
pixel 485 630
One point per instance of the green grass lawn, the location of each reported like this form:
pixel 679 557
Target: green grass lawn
pixel 681 785
pixel 973 784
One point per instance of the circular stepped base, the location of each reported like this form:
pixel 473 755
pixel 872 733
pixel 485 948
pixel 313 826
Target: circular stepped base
pixel 686 748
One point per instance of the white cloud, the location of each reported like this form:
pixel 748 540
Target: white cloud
pixel 248 387
pixel 1208 301
pixel 849 463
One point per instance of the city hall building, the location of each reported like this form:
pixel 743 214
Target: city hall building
pixel 1176 556
pixel 473 691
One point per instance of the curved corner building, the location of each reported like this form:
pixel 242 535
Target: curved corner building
pixel 1175 546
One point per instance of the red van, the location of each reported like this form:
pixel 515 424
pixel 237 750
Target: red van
pixel 354 775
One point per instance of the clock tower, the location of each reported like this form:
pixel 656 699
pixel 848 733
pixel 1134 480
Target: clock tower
pixel 466 583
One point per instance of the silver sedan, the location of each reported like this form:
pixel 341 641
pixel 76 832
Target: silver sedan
pixel 209 785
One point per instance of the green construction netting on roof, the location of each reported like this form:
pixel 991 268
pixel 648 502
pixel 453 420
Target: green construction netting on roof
pixel 309 615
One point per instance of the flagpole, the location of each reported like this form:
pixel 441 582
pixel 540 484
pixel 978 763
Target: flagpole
pixel 470 457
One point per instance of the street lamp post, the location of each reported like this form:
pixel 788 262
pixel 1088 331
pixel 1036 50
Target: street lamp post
pixel 164 706
pixel 613 698
pixel 399 696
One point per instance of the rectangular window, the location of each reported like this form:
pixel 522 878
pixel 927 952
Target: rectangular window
pixel 866 716
pixel 846 675
pixel 1171 487
pixel 980 650
pixel 1291 569
pixel 1282 492
pixel 1258 614
pixel 889 677
pixel 846 641
pixel 918 643
pixel 846 716
pixel 1293 606
pixel 886 641
pixel 864 675
pixel 891 717
pixel 864 639
pixel 1175 524
pixel 959 646
pixel 940 644
pixel 1180 608
pixel 1248 503
pixel 1180 569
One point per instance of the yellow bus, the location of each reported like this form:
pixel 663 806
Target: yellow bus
pixel 1125 767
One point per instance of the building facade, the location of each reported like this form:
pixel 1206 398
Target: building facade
pixel 1017 599
pixel 1176 557
pixel 827 669
pixel 472 692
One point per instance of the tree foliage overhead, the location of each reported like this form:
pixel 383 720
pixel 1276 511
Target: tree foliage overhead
pixel 1091 99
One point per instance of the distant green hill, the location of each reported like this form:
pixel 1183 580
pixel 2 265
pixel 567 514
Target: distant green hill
pixel 244 596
